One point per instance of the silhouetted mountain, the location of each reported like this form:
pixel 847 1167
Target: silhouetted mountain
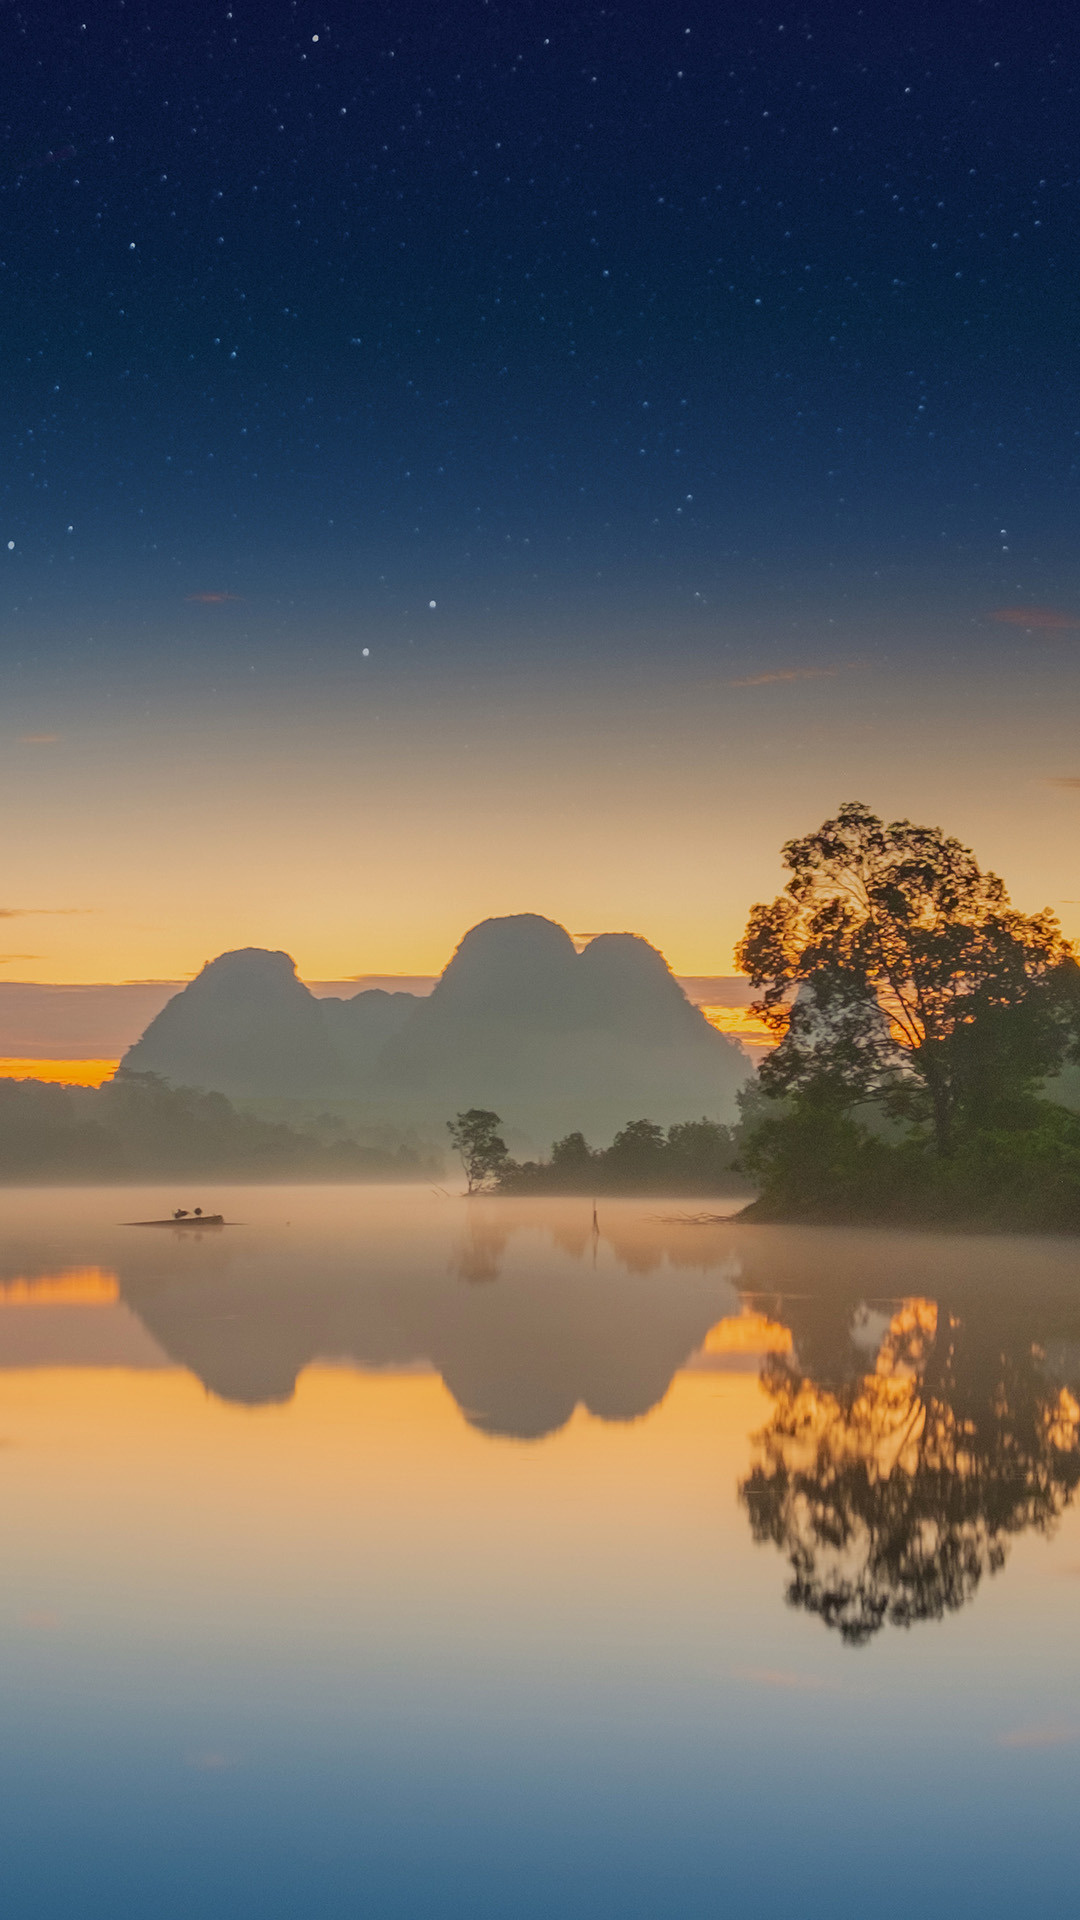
pixel 521 1023
pixel 245 1026
pixel 360 1027
pixel 630 991
pixel 518 1021
pixel 519 967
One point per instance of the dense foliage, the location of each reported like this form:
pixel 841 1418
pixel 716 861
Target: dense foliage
pixel 892 968
pixel 138 1127
pixel 694 1156
pixel 919 1017
pixel 817 1161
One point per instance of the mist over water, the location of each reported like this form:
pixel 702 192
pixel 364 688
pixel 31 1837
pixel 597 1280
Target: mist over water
pixel 386 1552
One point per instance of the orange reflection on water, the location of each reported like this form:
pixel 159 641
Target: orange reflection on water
pixel 321 1521
pixel 751 1333
pixel 911 1334
pixel 76 1287
pixel 69 1073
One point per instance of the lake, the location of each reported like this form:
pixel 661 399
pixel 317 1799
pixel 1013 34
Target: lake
pixel 388 1554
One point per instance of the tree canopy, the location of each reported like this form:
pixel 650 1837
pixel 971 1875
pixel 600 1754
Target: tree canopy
pixel 893 967
pixel 693 1156
pixel 481 1148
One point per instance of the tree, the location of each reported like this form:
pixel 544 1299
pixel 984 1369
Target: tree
pixel 894 968
pixel 699 1149
pixel 639 1144
pixel 572 1154
pixel 483 1153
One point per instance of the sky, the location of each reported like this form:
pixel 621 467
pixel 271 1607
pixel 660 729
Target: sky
pixel 522 457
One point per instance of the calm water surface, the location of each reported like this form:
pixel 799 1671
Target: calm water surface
pixel 390 1555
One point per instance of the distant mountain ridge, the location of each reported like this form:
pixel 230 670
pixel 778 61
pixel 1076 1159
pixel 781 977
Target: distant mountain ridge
pixel 42 1019
pixel 518 1021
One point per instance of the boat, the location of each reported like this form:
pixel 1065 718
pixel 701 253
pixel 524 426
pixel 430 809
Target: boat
pixel 182 1220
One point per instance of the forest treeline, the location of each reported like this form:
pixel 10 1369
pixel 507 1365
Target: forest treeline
pixel 693 1157
pixel 137 1127
pixel 922 1024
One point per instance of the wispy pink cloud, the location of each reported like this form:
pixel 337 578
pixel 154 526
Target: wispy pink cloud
pixel 42 913
pixel 1039 619
pixel 790 673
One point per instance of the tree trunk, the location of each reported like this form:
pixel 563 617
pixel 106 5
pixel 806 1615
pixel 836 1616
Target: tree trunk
pixel 943 1118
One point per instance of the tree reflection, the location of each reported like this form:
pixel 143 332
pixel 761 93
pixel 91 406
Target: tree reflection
pixel 478 1255
pixel 893 1493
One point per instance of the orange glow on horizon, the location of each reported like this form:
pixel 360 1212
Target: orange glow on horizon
pixel 740 1024
pixel 68 1073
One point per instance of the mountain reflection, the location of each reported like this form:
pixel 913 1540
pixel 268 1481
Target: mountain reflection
pixel 518 1357
pixel 923 1391
pixel 894 1491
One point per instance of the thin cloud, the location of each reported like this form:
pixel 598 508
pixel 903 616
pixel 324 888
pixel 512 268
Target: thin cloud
pixel 1070 781
pixel 6 958
pixel 38 739
pixel 1043 619
pixel 40 913
pixel 780 1677
pixel 791 673
pixel 212 599
pixel 1054 1733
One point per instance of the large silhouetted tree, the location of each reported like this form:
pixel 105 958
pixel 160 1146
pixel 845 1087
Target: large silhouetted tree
pixel 893 967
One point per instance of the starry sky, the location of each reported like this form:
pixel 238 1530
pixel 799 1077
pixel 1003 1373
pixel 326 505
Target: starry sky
pixel 516 456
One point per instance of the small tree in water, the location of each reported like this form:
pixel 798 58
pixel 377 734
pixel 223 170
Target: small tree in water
pixel 482 1151
pixel 894 968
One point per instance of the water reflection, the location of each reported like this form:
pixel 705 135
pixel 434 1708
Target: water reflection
pixel 518 1358
pixel 924 1391
pixel 894 1492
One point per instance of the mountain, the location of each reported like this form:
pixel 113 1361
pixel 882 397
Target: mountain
pixel 554 1040
pixel 519 1021
pixel 631 992
pixel 244 1026
pixel 360 1027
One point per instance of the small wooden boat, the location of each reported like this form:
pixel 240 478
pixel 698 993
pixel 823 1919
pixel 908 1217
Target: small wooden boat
pixel 182 1220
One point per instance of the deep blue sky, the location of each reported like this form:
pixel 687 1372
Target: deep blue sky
pixel 537 308
pixel 715 374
